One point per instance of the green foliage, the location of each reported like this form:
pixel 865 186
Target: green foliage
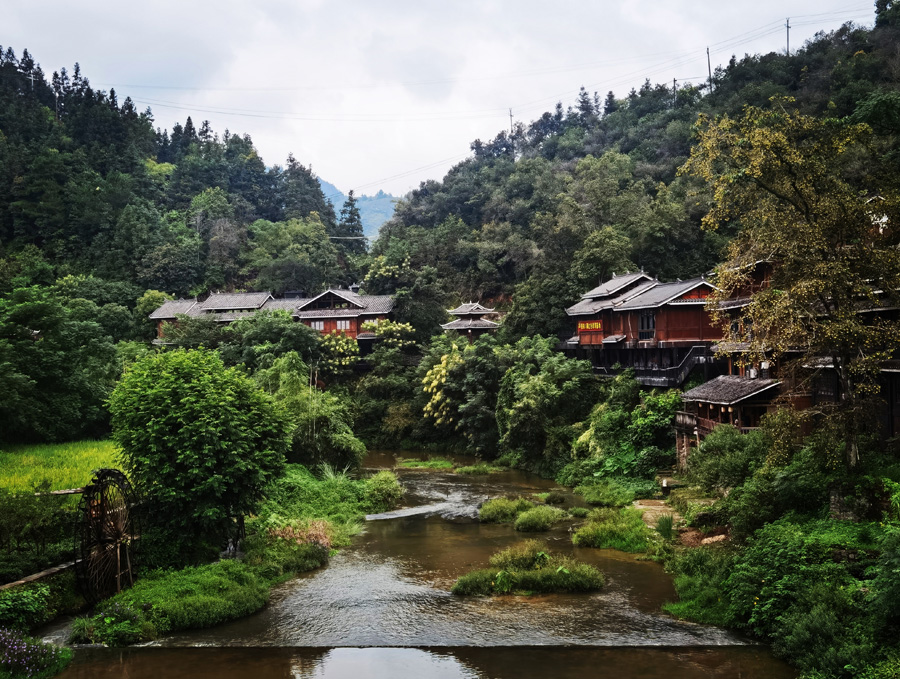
pixel 57 365
pixel 257 339
pixel 431 463
pixel 606 493
pixel 538 519
pixel 339 354
pixel 541 394
pixel 24 608
pixel 628 433
pixel 621 529
pixel 383 491
pixel 503 509
pixel 529 567
pixel 727 458
pixel 664 526
pixel 170 601
pixel 200 441
pixel 700 574
pixel 319 422
pixel 579 512
pixel 479 469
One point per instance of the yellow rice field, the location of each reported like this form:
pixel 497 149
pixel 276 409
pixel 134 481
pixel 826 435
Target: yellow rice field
pixel 65 465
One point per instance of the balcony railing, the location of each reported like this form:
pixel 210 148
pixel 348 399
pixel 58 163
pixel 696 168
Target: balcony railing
pixel 685 420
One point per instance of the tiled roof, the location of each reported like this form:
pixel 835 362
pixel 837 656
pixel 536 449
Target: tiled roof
pixel 368 305
pixel 470 324
pixel 286 304
pixel 234 300
pixel 174 307
pixel 663 294
pixel 588 307
pixel 614 284
pixel 470 309
pixel 346 295
pixel 727 390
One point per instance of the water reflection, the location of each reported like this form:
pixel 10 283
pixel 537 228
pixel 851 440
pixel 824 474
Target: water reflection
pixel 434 663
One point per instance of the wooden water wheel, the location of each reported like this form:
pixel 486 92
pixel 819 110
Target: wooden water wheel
pixel 106 536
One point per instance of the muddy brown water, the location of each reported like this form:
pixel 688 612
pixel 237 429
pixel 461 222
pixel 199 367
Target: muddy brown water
pixel 382 608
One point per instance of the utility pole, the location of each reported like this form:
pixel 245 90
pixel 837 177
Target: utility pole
pixel 787 25
pixel 30 77
pixel 510 122
pixel 674 92
pixel 709 66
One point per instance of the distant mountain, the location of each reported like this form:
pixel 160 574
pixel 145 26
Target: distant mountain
pixel 374 210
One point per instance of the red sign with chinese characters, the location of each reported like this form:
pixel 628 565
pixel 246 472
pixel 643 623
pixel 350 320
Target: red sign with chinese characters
pixel 590 326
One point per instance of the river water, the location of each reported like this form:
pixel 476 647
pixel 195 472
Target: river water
pixel 382 608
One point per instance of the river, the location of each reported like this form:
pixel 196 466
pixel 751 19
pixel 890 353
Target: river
pixel 382 608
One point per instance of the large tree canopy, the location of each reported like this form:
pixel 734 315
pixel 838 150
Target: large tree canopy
pixel 813 202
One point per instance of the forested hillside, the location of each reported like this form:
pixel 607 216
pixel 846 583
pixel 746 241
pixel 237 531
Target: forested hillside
pixel 539 215
pixel 90 187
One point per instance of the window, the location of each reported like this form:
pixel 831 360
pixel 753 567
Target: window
pixel 343 325
pixel 647 327
pixel 317 325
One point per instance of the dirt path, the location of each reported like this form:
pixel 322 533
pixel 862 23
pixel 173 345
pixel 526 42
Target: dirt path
pixel 653 509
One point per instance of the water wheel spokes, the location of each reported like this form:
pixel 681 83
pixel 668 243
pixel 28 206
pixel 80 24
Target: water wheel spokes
pixel 106 536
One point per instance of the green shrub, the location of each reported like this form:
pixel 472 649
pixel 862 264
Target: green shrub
pixel 432 463
pixel 781 562
pixel 823 629
pixel 168 601
pixel 528 567
pixel 700 574
pixel 554 497
pixel 578 512
pixel 200 441
pixel 479 469
pixel 24 608
pixel 606 493
pixel 622 529
pixel 664 526
pixel 502 509
pixel 538 518
pixel 522 556
pixel 382 492
pixel 727 458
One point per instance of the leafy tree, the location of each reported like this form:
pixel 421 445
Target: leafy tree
pixel 200 440
pixel 248 341
pixel 797 186
pixel 320 422
pixel 291 255
pixel 540 397
pixel 57 365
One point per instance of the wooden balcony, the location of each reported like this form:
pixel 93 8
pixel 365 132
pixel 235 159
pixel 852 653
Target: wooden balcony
pixel 685 421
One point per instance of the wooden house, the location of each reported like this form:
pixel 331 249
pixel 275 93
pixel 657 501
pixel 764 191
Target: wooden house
pixel 662 330
pixel 335 310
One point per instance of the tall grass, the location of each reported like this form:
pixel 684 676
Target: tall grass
pixel 64 465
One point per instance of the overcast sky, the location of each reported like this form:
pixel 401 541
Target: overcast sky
pixel 382 95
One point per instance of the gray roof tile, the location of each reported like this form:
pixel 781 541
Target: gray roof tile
pixel 234 300
pixel 614 284
pixel 662 294
pixel 728 389
pixel 470 309
pixel 588 307
pixel 174 307
pixel 470 324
